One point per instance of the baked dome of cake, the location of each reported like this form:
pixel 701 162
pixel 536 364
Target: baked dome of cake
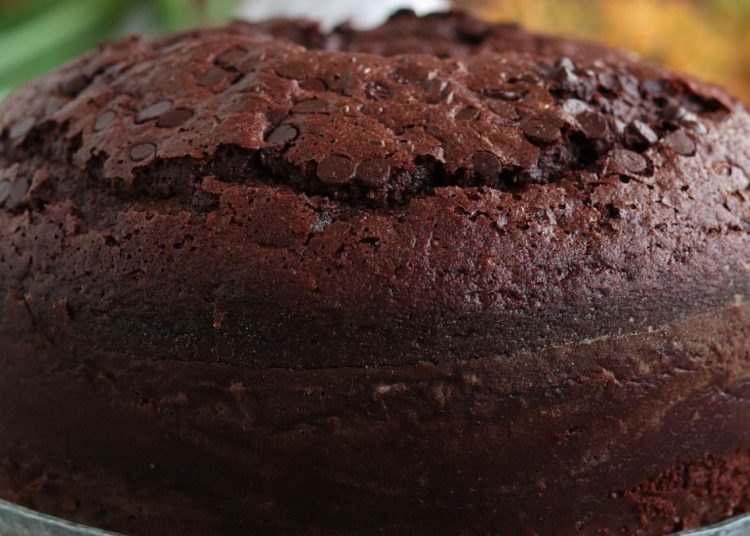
pixel 440 275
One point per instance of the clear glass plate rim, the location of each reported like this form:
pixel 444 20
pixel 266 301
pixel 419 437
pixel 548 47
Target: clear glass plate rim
pixel 24 521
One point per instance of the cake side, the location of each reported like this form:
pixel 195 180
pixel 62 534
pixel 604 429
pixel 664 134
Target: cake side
pixel 641 434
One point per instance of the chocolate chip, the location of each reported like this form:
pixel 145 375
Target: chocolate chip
pixel 18 191
pixel 652 87
pixel 639 135
pixel 403 12
pixel 410 74
pixel 296 70
pixel 487 167
pixel 607 81
pixel 22 128
pixel 212 77
pixel 575 106
pixel 680 142
pixel 153 111
pixel 376 91
pixel 629 161
pixel 174 118
pixel 52 106
pixel 472 30
pixel 232 57
pixel 374 172
pixel 564 72
pixel 437 91
pixel 504 109
pixel 405 144
pixel 619 127
pixel 629 84
pixel 527 78
pixel 594 125
pixel 142 151
pixel 5 188
pixel 565 63
pixel 335 169
pixel 674 112
pixel 282 135
pixel 542 128
pixel 313 84
pixel 468 114
pixel 104 120
pixel 311 106
pixel 504 94
pixel 73 86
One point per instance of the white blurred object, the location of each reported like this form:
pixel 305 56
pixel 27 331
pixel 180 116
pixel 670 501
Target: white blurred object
pixel 332 12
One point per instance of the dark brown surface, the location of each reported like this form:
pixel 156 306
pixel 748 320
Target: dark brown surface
pixel 438 276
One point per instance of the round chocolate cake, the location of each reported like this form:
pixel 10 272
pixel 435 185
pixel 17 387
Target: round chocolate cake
pixel 440 277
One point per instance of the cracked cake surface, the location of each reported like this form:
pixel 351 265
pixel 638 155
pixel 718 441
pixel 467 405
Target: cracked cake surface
pixel 466 222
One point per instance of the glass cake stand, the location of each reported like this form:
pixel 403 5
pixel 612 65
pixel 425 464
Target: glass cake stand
pixel 19 521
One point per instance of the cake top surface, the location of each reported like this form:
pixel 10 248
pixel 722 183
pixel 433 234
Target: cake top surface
pixel 369 118
pixel 458 179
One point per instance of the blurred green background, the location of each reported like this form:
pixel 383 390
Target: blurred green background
pixel 37 35
pixel 708 38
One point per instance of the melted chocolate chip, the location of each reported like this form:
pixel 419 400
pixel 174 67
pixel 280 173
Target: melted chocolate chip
pixel 282 135
pixel 564 72
pixel 575 106
pixel 543 128
pixel 336 169
pixel 639 135
pixel 296 70
pixel 313 84
pixel 505 94
pixel 374 172
pixel 5 188
pixel 104 120
pixel 212 77
pixel 487 167
pixel 142 151
pixel 437 91
pixel 680 142
pixel 73 86
pixel 471 30
pixel 594 125
pixel 607 81
pixel 504 109
pixel 18 191
pixel 629 161
pixel 311 106
pixel 22 128
pixel 174 118
pixel 674 112
pixel 153 111
pixel 468 114
pixel 679 115
pixel 232 57
pixel 629 84
pixel 377 91
pixel 652 87
pixel 405 74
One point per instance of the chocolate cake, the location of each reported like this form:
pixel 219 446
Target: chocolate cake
pixel 439 277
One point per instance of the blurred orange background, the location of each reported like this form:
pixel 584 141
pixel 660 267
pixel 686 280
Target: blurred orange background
pixel 707 38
